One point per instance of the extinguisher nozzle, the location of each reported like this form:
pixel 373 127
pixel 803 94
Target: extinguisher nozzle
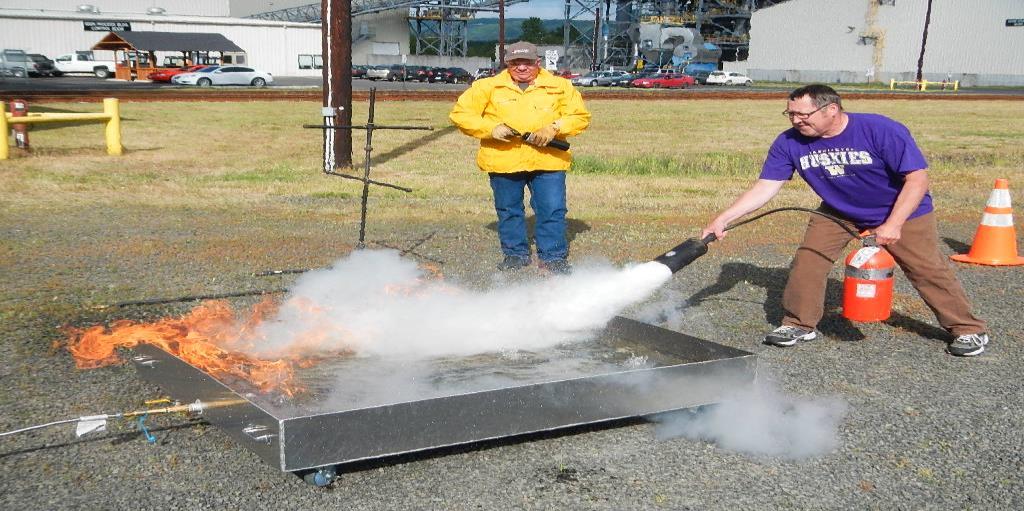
pixel 685 253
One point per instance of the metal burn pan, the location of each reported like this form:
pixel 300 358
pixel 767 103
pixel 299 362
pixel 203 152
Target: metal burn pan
pixel 361 408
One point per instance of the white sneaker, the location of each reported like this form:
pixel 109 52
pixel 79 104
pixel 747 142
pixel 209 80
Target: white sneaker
pixel 787 335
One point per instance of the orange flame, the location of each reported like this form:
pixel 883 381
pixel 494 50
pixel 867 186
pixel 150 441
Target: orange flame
pixel 208 338
pixel 213 339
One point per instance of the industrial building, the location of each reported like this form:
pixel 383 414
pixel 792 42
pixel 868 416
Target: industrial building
pixel 978 42
pixel 56 27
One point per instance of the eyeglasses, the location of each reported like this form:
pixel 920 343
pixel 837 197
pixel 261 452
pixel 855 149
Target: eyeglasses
pixel 804 115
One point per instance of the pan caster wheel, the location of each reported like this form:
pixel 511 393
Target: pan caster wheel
pixel 320 477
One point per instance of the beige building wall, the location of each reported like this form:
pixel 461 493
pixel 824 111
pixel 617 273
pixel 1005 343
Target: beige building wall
pixel 862 40
pixel 173 7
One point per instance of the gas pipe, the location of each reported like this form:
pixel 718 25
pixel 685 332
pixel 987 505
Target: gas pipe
pixel 867 288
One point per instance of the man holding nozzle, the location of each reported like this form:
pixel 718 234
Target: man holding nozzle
pixel 869 172
pixel 522 117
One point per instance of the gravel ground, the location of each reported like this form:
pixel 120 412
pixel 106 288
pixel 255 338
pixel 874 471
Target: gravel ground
pixel 923 430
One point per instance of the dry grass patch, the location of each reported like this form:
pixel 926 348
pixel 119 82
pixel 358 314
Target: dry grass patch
pixel 656 161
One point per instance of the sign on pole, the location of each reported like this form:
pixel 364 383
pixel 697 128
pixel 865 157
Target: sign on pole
pixel 551 60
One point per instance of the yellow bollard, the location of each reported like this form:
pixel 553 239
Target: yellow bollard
pixel 112 108
pixel 4 150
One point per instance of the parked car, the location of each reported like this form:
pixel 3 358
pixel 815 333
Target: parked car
pixel 165 75
pixel 567 74
pixel 628 79
pixel 358 71
pixel 377 72
pixel 589 79
pixel 224 75
pixel 673 81
pixel 609 76
pixel 453 75
pixel 402 72
pixel 664 81
pixel 728 78
pixel 701 77
pixel 485 72
pixel 84 62
pixel 420 74
pixel 41 65
pixel 14 63
pixel 434 74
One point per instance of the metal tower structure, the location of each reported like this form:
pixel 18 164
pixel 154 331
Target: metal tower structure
pixel 613 38
pixel 439 27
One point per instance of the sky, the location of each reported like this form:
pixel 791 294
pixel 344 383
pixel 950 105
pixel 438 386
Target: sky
pixel 543 9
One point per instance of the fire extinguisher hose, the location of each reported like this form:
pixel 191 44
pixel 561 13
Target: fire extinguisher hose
pixel 837 220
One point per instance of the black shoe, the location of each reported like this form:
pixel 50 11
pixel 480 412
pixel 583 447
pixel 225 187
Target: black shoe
pixel 786 336
pixel 512 262
pixel 968 345
pixel 556 266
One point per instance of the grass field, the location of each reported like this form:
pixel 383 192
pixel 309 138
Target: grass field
pixel 660 167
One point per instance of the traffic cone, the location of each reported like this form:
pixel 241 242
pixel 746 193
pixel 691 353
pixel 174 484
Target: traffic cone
pixel 995 241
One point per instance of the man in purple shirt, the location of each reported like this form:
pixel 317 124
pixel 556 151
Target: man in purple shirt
pixel 868 171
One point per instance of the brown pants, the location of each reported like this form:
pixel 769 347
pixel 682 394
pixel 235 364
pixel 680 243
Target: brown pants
pixel 917 253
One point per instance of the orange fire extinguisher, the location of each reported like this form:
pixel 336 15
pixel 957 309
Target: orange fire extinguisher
pixel 867 288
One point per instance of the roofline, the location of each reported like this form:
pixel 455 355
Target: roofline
pixel 48 14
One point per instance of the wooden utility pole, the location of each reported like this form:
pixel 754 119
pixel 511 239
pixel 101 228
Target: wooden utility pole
pixel 336 29
pixel 924 40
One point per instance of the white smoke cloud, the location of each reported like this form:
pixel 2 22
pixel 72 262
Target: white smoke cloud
pixel 374 302
pixel 762 421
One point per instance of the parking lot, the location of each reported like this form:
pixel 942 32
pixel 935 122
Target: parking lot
pixel 73 83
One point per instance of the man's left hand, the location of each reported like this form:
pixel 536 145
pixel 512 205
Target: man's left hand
pixel 886 234
pixel 543 136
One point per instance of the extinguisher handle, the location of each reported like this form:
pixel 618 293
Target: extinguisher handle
pixel 868 238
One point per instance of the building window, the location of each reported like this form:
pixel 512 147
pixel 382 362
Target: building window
pixel 311 62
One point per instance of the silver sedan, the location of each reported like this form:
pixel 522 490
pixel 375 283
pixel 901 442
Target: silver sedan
pixel 224 75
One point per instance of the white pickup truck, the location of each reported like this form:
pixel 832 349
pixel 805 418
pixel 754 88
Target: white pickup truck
pixel 84 63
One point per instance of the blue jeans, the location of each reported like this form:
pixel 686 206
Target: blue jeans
pixel 547 199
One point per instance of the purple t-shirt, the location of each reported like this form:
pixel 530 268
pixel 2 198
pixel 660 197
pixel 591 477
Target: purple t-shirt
pixel 858 173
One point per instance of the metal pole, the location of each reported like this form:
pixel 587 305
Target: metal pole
pixel 597 37
pixel 565 34
pixel 501 34
pixel 366 169
pixel 336 26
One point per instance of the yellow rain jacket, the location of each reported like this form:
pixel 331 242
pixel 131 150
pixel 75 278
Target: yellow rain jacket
pixel 498 99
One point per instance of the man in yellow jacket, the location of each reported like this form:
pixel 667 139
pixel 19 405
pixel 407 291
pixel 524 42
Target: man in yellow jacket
pixel 500 111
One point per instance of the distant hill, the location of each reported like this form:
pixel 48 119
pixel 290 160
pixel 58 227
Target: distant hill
pixel 486 29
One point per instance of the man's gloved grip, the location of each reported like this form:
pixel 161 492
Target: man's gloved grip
pixel 502 132
pixel 555 143
pixel 543 136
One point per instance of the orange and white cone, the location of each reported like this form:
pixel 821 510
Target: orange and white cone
pixel 995 241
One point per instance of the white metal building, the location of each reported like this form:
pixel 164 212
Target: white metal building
pixel 980 42
pixel 55 27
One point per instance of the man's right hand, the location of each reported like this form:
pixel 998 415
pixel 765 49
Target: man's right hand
pixel 716 227
pixel 502 132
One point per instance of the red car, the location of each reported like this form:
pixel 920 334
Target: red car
pixel 665 81
pixel 165 75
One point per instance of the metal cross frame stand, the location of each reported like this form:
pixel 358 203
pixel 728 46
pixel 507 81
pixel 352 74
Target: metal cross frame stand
pixel 370 126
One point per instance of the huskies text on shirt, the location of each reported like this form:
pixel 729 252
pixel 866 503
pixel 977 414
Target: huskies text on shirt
pixel 859 173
